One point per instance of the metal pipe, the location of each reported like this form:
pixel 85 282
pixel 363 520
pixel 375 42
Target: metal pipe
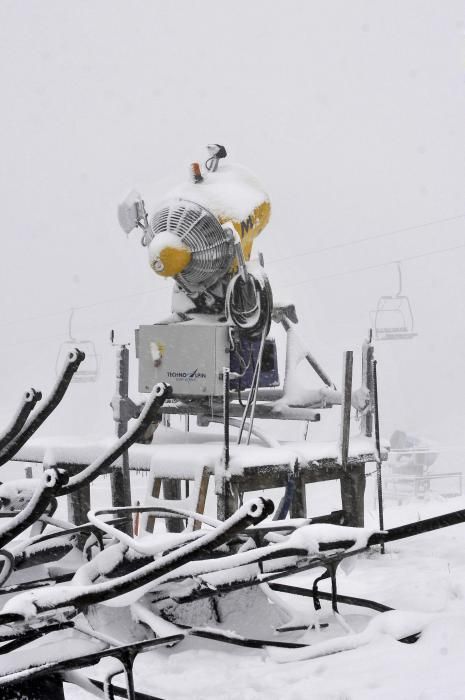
pixel 49 484
pixel 257 381
pixel 287 325
pixel 226 415
pixel 253 390
pixel 252 512
pixel 54 482
pixel 149 414
pixel 28 402
pixel 268 441
pixel 35 421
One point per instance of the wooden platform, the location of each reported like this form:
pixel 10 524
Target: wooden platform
pixel 178 456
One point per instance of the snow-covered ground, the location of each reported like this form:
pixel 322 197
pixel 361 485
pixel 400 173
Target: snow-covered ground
pixel 424 575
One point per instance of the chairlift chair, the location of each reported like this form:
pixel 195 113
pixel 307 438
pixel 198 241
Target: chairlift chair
pixel 393 317
pixel 89 369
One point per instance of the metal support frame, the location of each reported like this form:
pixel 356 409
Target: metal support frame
pixel 345 408
pixel 123 410
pixel 379 480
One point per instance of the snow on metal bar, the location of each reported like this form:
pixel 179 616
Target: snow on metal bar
pixel 36 419
pixel 28 605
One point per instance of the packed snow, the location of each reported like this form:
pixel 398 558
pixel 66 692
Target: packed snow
pixel 423 578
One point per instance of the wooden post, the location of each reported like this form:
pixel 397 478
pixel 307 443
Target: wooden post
pixel 353 495
pixel 78 503
pixel 136 521
pixel 155 494
pixel 172 492
pixel 299 502
pixel 200 506
pixel 345 408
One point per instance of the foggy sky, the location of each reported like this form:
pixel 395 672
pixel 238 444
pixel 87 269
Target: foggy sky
pixel 352 115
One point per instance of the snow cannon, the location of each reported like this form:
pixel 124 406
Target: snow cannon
pixel 201 235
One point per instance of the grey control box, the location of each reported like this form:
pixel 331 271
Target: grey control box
pixel 189 356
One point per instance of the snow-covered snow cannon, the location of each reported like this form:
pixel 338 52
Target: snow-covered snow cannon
pixel 201 235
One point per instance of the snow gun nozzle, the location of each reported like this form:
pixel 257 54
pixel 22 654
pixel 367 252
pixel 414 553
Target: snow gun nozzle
pixel 260 508
pixel 55 478
pixel 196 174
pixel 32 396
pixel 76 356
pixel 163 389
pixel 151 411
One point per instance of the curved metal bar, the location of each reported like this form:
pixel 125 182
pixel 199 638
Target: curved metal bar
pixel 51 552
pixel 251 513
pixel 418 527
pixel 35 421
pixel 55 482
pixel 28 636
pixel 22 558
pixel 50 481
pixel 163 511
pixel 8 565
pixel 141 547
pixel 138 545
pixel 345 599
pixel 37 583
pixel 28 402
pixel 41 669
pixel 77 529
pixel 236 423
pixel 149 414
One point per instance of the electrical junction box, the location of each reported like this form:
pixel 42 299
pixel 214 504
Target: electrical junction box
pixel 189 356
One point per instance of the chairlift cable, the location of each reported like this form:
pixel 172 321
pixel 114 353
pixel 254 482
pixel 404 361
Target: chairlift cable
pixel 374 267
pixel 335 246
pixel 283 286
pixel 365 239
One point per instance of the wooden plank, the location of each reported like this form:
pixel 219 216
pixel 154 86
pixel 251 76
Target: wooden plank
pixel 172 492
pixel 78 503
pixel 200 506
pixel 299 502
pixel 155 494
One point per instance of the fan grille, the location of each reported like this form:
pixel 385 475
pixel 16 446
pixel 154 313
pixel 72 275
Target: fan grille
pixel 211 246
